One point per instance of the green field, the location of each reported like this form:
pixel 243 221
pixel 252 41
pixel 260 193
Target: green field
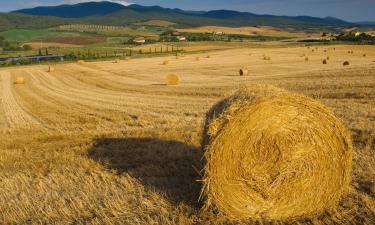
pixel 22 35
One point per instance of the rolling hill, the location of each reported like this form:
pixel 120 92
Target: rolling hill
pixel 109 13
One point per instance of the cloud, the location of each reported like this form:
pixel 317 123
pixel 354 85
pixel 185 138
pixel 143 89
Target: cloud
pixel 122 2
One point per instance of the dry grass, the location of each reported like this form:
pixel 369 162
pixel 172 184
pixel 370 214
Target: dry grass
pixel 172 79
pixel 104 143
pixel 166 62
pixel 291 156
pixel 117 61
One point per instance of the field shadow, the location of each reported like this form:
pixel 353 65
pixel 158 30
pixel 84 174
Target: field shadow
pixel 169 167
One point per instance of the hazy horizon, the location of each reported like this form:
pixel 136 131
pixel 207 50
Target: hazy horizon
pixel 358 11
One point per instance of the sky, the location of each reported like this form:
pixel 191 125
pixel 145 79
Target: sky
pixel 350 10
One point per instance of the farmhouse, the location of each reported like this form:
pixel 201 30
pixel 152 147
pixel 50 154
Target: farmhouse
pixel 219 33
pixel 139 40
pixel 182 38
pixel 176 33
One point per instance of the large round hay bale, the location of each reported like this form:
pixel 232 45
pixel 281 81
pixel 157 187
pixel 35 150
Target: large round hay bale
pixel 51 69
pixel 346 63
pixel 81 62
pixel 172 79
pixel 19 80
pixel 274 155
pixel 244 72
pixel 166 62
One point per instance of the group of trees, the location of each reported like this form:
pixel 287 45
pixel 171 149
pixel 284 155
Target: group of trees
pixel 8 46
pixel 169 36
pixel 355 37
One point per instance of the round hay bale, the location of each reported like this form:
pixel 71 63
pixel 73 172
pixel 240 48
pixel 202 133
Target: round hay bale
pixel 127 58
pixel 208 56
pixel 244 72
pixel 19 80
pixel 364 55
pixel 274 155
pixel 324 61
pixel 306 59
pixel 117 61
pixel 166 62
pixel 51 69
pixel 328 58
pixel 266 58
pixel 346 63
pixel 172 79
pixel 81 62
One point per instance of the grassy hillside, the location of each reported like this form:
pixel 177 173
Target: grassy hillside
pixel 22 35
pixel 10 21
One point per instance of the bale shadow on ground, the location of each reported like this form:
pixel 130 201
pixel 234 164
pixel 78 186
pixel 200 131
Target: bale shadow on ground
pixel 170 167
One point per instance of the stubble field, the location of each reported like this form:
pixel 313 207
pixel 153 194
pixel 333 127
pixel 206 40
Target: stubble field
pixel 110 143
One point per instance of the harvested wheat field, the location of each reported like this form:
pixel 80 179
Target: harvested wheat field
pixel 110 143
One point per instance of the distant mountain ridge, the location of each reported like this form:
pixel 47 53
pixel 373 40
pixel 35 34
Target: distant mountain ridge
pixel 79 10
pixel 109 13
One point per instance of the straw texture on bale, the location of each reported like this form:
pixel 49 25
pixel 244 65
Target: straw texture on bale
pixel 244 72
pixel 172 79
pixel 274 155
pixel 19 80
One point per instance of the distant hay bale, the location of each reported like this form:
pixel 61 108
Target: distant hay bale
pixel 346 63
pixel 306 58
pixel 266 58
pixel 178 57
pixel 117 61
pixel 51 69
pixel 19 80
pixel 208 56
pixel 364 55
pixel 328 58
pixel 81 62
pixel 244 72
pixel 127 58
pixel 324 61
pixel 172 79
pixel 274 155
pixel 197 58
pixel 166 62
